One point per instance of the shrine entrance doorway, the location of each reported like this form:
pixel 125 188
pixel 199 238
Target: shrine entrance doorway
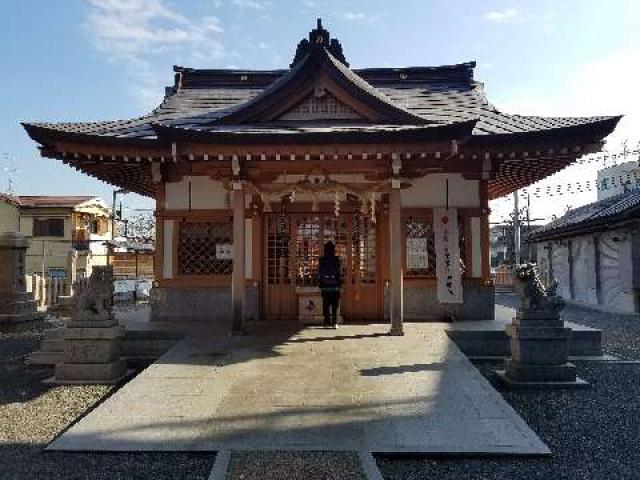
pixel 293 245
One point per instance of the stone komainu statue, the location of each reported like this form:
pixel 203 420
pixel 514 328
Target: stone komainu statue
pixel 534 297
pixel 94 299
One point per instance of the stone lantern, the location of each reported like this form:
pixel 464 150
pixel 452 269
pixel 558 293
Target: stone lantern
pixel 17 307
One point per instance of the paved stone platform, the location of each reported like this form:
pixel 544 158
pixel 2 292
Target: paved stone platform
pixel 353 389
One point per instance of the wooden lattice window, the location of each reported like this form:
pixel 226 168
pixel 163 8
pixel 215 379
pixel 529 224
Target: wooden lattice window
pixel 308 249
pixel 205 249
pixel 278 238
pixel 420 254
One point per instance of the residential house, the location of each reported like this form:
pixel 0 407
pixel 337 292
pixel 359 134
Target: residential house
pixel 64 232
pixel 9 213
pixel 618 179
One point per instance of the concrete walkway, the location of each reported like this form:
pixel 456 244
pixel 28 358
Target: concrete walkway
pixel 353 389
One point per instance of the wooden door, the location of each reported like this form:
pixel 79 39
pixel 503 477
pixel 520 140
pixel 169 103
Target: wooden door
pixel 294 244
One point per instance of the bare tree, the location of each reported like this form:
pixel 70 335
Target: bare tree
pixel 141 226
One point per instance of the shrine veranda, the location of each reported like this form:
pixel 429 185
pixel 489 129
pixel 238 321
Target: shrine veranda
pixel 396 166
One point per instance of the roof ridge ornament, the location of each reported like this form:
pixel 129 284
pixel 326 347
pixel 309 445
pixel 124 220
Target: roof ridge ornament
pixel 319 38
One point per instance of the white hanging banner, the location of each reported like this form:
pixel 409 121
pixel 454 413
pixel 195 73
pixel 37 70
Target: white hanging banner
pixel 447 247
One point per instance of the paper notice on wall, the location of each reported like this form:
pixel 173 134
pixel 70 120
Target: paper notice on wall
pixel 417 256
pixel 224 251
pixel 447 248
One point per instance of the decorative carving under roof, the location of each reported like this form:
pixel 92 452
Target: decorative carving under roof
pixel 319 38
pixel 321 105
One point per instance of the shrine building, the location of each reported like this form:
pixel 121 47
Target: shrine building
pixel 253 171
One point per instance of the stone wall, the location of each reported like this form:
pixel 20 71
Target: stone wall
pixel 200 304
pixel 420 303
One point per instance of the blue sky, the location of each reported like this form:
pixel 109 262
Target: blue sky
pixel 74 60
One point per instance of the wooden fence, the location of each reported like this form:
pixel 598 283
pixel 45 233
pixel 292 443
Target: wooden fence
pixel 132 265
pixel 503 278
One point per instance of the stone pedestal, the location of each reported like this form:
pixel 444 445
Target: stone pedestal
pixel 93 337
pixel 539 341
pixel 17 307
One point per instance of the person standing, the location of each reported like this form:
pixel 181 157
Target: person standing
pixel 329 281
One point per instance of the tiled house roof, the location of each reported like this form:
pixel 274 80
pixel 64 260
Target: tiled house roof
pixel 65 201
pixel 596 216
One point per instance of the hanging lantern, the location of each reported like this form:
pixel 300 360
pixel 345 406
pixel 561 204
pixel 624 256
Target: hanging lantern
pixel 292 197
pixel 336 208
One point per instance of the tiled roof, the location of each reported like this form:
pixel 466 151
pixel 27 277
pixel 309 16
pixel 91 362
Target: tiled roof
pixel 66 201
pixel 7 198
pixel 596 215
pixel 443 95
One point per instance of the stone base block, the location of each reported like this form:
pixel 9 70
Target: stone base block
pixel 539 346
pixel 45 358
pixel 108 373
pixel 523 372
pixel 510 383
pixel 111 332
pixel 91 351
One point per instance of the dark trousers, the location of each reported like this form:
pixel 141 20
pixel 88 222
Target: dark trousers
pixel 330 304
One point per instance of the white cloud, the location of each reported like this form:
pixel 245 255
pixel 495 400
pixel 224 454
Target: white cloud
pixel 134 33
pixel 605 86
pixel 361 17
pixel 501 16
pixel 254 4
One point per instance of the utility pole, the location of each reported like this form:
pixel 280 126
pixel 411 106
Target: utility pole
pixel 516 228
pixel 528 227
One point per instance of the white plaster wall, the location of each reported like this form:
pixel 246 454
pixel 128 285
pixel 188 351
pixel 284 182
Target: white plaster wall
pixel 615 271
pixel 205 194
pixel 430 191
pixel 584 270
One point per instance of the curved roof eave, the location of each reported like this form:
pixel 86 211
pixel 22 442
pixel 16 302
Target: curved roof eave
pixel 452 131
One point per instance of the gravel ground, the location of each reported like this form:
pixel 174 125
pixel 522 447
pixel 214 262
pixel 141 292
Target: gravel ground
pixel 32 414
pixel 594 433
pixel 620 333
pixel 294 466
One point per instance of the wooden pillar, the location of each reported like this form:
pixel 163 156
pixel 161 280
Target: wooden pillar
pixel 485 231
pixel 395 252
pixel 238 282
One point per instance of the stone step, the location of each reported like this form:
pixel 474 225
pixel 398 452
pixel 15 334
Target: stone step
pixel 584 342
pixel 52 345
pixel 138 347
pixel 45 358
